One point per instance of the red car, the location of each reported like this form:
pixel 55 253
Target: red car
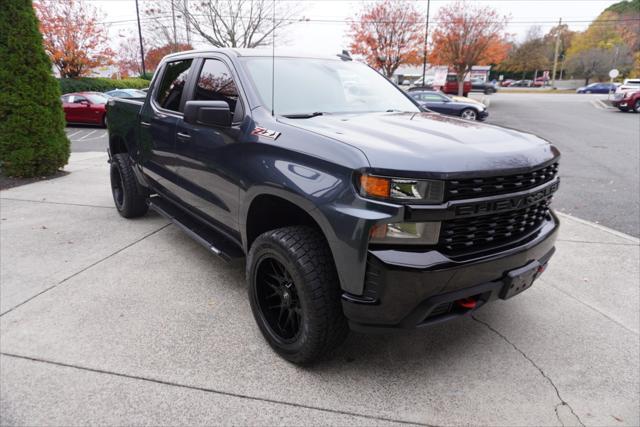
pixel 627 101
pixel 85 107
pixel 451 86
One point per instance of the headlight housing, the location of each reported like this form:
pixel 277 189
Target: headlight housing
pixel 405 233
pixel 402 189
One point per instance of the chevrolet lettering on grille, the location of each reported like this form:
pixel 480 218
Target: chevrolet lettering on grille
pixel 502 205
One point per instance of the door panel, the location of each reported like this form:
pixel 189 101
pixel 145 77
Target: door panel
pixel 204 152
pixel 158 120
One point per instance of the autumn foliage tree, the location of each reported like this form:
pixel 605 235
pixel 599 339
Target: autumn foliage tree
pixel 155 55
pixel 388 34
pixel 468 35
pixel 73 37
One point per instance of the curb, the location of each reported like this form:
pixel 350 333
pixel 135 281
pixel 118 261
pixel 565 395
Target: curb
pixel 599 227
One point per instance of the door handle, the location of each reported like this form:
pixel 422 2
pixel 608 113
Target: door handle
pixel 183 136
pixel 145 124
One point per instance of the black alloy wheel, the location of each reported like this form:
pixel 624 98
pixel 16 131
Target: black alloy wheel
pixel 278 299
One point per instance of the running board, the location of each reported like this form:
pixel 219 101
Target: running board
pixel 211 239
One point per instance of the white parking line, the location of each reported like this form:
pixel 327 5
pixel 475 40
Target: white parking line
pixel 87 135
pixel 70 135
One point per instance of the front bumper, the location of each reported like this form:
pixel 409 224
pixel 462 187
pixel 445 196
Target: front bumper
pixel 414 289
pixel 483 115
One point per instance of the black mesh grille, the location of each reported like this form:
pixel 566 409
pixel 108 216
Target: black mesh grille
pixel 480 187
pixel 483 232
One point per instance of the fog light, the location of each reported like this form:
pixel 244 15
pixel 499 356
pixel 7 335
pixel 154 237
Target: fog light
pixel 406 233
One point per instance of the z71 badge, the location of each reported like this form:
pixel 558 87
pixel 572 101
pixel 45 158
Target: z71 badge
pixel 267 133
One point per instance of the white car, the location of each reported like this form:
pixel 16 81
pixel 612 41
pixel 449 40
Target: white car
pixel 629 85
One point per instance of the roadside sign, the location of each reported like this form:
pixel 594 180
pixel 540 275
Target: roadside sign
pixel 614 73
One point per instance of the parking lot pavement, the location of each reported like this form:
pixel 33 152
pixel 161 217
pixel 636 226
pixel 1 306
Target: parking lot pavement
pixel 87 138
pixel 600 148
pixel 133 322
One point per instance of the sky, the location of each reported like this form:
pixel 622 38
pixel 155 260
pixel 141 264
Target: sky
pixel 332 37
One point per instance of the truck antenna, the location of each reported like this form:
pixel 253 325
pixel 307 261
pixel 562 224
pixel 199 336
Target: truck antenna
pixel 273 62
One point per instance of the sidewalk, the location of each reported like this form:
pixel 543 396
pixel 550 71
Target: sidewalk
pixel 113 321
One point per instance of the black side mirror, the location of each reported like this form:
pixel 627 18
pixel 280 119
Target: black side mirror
pixel 208 113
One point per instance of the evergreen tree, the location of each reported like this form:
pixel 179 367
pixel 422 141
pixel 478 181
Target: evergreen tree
pixel 32 137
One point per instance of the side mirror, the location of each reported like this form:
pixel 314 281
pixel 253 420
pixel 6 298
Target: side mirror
pixel 208 113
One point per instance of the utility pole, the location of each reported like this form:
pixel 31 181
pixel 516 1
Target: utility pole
pixel 144 71
pixel 555 56
pixel 173 17
pixel 426 36
pixel 186 21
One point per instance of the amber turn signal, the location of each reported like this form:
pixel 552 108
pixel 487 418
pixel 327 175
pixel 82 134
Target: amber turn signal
pixel 375 186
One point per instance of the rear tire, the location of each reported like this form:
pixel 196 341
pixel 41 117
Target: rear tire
pixel 295 293
pixel 104 121
pixel 636 106
pixel 129 198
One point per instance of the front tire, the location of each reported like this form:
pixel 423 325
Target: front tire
pixel 469 114
pixel 295 294
pixel 128 197
pixel 636 106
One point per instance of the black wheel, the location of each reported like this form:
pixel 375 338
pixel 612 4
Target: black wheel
pixel 295 294
pixel 104 121
pixel 636 106
pixel 469 114
pixel 623 109
pixel 130 200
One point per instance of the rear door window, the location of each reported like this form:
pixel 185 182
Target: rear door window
pixel 171 86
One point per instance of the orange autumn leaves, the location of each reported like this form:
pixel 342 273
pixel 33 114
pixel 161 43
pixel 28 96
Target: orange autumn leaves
pixel 73 37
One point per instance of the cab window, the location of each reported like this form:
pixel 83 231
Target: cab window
pixel 215 83
pixel 172 84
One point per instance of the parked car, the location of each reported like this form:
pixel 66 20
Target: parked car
pixel 450 86
pixel 628 101
pixel 479 85
pixel 506 83
pixel 598 88
pixel 127 93
pixel 522 83
pixel 628 85
pixel 85 108
pixel 351 207
pixel 441 103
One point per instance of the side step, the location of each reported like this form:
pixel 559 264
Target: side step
pixel 208 237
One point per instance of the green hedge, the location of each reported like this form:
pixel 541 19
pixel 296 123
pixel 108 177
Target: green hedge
pixel 100 84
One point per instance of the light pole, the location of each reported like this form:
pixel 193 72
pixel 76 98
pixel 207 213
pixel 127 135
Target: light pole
pixel 426 36
pixel 144 71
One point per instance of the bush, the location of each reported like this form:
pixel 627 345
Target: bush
pixel 100 84
pixel 32 137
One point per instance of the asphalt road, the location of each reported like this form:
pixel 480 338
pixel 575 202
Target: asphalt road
pixel 600 147
pixel 600 152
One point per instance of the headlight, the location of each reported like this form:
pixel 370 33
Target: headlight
pixel 402 189
pixel 411 233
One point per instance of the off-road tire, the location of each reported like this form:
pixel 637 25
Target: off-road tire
pixel 130 199
pixel 305 254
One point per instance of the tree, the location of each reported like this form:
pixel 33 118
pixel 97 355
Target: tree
pixel 237 23
pixel 468 35
pixel 73 38
pixel 531 55
pixel 155 55
pixel 597 61
pixel 129 58
pixel 388 34
pixel 32 137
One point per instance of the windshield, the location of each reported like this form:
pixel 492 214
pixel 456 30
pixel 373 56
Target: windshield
pixel 96 99
pixel 305 86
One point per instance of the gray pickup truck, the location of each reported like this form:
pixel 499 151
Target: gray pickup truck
pixel 354 207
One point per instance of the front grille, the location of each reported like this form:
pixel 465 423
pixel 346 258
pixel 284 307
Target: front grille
pixel 484 232
pixel 481 187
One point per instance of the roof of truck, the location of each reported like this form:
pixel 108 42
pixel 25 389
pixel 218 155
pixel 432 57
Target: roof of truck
pixel 258 52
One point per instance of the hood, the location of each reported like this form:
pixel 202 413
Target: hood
pixel 430 143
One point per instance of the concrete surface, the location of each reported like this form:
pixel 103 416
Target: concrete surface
pixel 141 325
pixel 600 149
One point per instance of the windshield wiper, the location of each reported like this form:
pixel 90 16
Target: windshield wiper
pixel 303 115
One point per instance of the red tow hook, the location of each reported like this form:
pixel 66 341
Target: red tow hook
pixel 468 303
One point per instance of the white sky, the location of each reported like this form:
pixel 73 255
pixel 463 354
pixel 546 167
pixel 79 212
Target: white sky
pixel 331 37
